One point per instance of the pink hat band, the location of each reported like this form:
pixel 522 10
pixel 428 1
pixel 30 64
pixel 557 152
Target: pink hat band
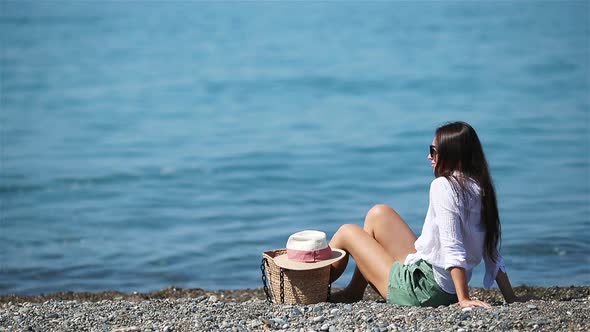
pixel 309 256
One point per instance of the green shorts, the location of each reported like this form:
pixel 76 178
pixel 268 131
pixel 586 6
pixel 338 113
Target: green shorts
pixel 414 285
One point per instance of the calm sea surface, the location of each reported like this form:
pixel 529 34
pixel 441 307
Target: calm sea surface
pixel 145 145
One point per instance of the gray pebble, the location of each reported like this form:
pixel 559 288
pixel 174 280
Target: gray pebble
pixel 325 327
pixel 531 306
pixel 318 319
pixel 295 312
pixel 127 329
pixel 52 315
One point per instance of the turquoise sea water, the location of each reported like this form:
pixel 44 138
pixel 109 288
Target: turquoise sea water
pixel 145 145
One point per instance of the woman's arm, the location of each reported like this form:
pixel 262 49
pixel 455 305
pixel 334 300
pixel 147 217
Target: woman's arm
pixel 460 281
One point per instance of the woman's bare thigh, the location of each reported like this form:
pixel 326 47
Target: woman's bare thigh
pixel 373 261
pixel 389 229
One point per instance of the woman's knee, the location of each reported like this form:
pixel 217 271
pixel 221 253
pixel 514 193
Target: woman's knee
pixel 348 230
pixel 379 212
pixel 380 209
pixel 346 233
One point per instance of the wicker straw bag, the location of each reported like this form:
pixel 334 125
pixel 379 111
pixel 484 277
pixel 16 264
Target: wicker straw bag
pixel 292 286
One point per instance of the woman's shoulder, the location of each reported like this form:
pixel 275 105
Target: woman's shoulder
pixel 458 177
pixel 443 184
pixel 468 193
pixel 440 183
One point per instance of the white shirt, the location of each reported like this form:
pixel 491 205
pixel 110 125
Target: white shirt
pixel 453 236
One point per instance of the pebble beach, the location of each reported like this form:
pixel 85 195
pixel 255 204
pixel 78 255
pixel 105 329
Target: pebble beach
pixel 176 309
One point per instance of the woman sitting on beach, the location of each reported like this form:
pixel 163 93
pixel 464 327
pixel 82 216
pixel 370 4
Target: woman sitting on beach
pixel 462 227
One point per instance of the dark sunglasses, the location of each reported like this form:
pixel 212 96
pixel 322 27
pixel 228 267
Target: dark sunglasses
pixel 433 151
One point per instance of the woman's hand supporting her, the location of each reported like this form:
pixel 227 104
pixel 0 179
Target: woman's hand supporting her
pixel 460 281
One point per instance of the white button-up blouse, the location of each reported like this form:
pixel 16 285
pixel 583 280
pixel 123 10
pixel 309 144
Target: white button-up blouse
pixel 453 236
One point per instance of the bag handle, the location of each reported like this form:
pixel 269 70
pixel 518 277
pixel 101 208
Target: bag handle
pixel 263 266
pixel 282 282
pixel 264 283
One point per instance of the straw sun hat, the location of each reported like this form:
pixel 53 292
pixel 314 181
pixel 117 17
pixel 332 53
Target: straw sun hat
pixel 308 250
pixel 301 272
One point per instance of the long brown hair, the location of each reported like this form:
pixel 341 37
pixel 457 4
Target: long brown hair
pixel 459 150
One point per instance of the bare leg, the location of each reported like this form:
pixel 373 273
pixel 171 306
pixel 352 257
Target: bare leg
pixel 385 238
